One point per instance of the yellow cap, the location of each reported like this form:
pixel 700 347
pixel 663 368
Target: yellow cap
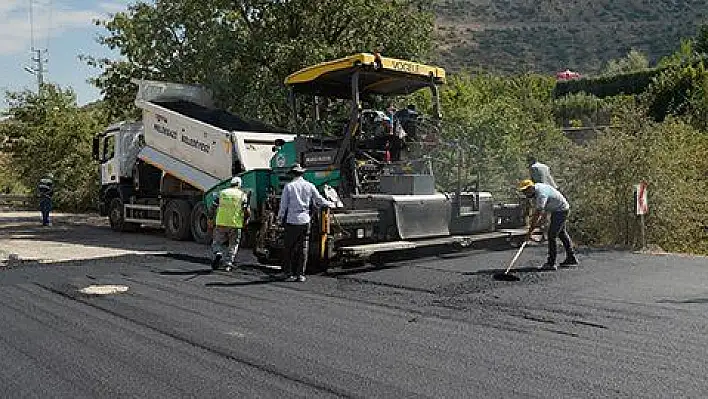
pixel 524 184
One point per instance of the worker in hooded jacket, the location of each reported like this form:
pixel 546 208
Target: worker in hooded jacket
pixel 45 191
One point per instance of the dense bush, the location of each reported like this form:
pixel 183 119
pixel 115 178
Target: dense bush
pixel 599 180
pixel 9 181
pixel 680 91
pixel 500 120
pixel 587 109
pixel 610 85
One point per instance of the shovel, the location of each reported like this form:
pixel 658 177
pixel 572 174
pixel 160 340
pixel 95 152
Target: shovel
pixel 511 277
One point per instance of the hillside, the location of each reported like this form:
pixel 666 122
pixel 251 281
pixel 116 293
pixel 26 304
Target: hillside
pixel 550 35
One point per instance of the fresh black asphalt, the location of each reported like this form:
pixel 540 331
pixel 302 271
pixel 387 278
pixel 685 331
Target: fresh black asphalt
pixel 621 324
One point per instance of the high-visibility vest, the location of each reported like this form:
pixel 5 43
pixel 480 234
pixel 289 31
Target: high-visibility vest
pixel 230 212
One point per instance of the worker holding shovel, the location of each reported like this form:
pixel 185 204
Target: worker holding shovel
pixel 548 200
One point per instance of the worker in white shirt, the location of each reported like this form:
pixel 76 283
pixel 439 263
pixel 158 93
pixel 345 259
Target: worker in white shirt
pixel 294 213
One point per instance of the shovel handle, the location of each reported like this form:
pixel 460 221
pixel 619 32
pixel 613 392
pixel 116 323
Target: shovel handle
pixel 518 253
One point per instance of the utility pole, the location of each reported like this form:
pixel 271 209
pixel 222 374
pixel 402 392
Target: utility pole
pixel 38 67
pixel 38 60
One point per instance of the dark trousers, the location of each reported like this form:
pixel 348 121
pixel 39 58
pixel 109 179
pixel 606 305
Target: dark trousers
pixel 557 230
pixel 296 248
pixel 45 206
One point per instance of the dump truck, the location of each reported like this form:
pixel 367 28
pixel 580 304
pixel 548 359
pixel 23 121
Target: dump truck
pixel 383 203
pixel 155 171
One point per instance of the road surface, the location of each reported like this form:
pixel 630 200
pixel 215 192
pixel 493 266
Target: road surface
pixel 621 324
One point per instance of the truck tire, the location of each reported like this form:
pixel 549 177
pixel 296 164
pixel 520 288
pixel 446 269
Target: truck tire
pixel 177 220
pixel 115 217
pixel 199 227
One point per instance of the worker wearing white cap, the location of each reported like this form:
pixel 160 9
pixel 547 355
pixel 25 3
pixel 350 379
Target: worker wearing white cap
pixel 294 214
pixel 231 214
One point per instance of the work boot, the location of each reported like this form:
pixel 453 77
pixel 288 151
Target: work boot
pixel 216 261
pixel 549 266
pixel 569 261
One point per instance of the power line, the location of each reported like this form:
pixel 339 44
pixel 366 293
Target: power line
pixel 49 25
pixel 31 16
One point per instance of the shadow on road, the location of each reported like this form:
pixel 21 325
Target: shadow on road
pixel 684 301
pixel 394 259
pixel 350 270
pixel 198 272
pixel 186 258
pixel 521 270
pixel 269 280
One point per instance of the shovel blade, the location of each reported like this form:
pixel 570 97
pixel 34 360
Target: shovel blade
pixel 506 277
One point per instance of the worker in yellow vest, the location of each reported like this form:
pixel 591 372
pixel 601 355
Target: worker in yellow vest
pixel 231 208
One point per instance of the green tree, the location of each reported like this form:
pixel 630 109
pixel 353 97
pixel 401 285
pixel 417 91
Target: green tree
pixel 634 61
pixel 242 50
pixel 701 41
pixel 684 55
pixel 498 121
pixel 48 133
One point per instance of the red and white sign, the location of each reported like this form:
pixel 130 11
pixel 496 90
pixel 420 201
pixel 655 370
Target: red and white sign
pixel 641 195
pixel 568 75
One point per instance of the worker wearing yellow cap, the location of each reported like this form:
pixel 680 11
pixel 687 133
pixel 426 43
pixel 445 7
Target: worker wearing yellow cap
pixel 547 200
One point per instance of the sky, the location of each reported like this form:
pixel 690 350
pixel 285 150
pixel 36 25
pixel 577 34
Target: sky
pixel 66 30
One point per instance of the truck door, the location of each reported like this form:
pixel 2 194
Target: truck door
pixel 107 157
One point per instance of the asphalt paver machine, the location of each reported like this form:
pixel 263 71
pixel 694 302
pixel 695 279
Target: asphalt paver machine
pixel 383 203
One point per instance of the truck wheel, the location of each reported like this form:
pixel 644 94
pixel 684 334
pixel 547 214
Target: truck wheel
pixel 177 220
pixel 199 221
pixel 115 216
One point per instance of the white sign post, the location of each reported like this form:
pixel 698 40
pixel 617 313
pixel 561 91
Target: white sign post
pixel 642 207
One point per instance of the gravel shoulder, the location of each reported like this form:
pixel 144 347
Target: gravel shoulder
pixel 79 237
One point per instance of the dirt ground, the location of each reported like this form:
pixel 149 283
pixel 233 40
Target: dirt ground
pixel 78 237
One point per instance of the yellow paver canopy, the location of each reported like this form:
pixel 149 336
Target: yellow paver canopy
pixel 378 75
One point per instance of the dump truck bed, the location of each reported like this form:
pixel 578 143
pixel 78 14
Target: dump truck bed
pixel 188 138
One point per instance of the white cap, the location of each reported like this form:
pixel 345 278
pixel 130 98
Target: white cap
pixel 236 181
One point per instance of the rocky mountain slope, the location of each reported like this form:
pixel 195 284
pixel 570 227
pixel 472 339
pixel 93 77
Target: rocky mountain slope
pixel 546 36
